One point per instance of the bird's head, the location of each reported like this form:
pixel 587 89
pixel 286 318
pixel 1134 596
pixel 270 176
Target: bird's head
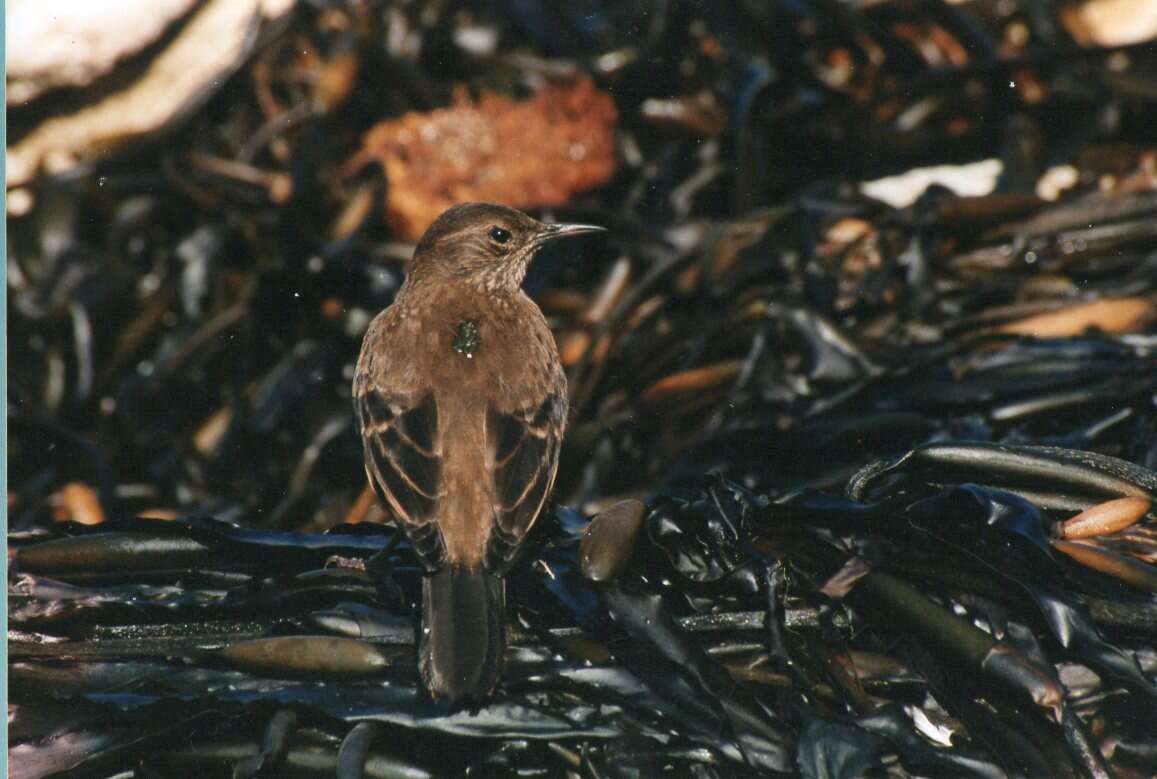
pixel 486 243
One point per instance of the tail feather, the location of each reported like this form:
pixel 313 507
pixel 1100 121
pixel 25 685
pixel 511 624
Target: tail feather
pixel 463 633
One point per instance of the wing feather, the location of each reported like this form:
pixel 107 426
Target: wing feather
pixel 403 456
pixel 525 446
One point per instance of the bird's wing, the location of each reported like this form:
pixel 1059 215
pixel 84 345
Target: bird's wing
pixel 524 444
pixel 403 456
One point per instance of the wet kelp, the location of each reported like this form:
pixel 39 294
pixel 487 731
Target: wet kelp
pixel 871 468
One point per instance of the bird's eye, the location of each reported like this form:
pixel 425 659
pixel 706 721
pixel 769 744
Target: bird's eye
pixel 498 235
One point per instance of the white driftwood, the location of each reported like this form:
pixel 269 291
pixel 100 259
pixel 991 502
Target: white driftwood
pixel 71 43
pixel 209 47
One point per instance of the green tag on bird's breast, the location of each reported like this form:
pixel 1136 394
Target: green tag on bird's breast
pixel 468 338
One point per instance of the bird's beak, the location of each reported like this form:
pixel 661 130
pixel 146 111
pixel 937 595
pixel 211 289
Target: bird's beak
pixel 554 232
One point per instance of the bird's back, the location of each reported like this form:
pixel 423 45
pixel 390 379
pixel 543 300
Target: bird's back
pixel 477 357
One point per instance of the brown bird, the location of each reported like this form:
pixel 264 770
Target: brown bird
pixel 462 404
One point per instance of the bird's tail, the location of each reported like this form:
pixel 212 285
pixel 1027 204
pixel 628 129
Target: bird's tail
pixel 463 633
